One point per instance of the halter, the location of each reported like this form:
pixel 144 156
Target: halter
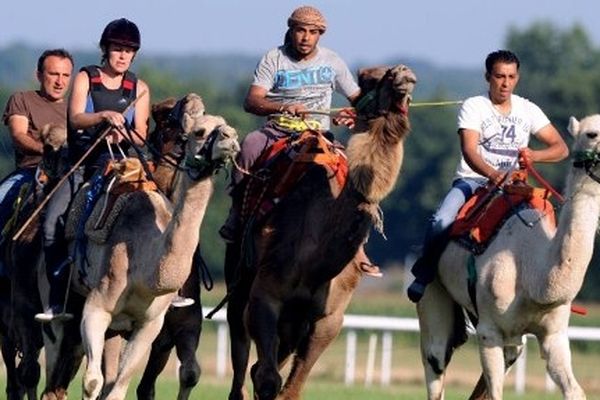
pixel 198 165
pixel 588 160
pixel 365 104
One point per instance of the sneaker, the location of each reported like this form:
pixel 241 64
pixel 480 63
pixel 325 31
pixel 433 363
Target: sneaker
pixel 53 314
pixel 179 302
pixel 416 290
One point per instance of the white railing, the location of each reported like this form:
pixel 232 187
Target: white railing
pixel 386 326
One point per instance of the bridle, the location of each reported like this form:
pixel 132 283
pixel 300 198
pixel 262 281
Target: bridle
pixel 588 160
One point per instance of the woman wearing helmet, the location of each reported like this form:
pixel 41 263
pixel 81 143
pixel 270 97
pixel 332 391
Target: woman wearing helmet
pixel 99 97
pixel 102 93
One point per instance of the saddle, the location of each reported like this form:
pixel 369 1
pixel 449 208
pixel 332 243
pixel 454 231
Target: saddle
pixel 482 216
pixel 283 165
pixel 119 180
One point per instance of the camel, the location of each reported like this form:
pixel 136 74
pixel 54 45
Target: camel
pixel 21 336
pixel 290 301
pixel 526 281
pixel 183 326
pixel 133 275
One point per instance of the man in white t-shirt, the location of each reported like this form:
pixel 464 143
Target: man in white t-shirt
pixel 289 80
pixel 494 130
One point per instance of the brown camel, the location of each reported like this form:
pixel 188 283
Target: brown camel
pixel 133 274
pixel 525 283
pixel 20 334
pixel 290 300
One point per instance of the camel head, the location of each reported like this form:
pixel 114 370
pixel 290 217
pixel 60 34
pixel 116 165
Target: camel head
pixel 384 90
pixel 174 119
pixel 586 148
pixel 55 156
pixel 586 133
pixel 211 144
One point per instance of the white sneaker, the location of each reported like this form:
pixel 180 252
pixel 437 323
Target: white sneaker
pixel 179 302
pixel 52 314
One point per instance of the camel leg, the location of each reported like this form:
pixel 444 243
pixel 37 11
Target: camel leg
pixel 189 371
pixel 443 329
pixel 110 357
pixel 492 358
pixel 555 350
pixel 159 356
pixel 262 320
pixel 325 331
pixel 511 353
pixel 134 352
pixel 94 323
pixel 8 356
pixel 239 286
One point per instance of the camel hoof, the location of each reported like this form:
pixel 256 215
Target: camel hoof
pixel 92 389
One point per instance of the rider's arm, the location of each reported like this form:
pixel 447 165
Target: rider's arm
pixel 18 126
pixel 142 111
pixel 555 150
pixel 257 103
pixel 469 143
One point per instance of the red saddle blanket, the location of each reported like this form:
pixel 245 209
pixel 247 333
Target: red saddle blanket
pixel 283 164
pixel 485 212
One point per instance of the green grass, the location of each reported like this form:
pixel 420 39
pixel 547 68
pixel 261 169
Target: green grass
pixel 327 377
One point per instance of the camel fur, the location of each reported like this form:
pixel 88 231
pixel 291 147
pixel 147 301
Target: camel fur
pixel 526 281
pixel 290 301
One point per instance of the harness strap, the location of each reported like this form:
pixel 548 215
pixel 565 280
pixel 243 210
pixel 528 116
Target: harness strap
pixel 472 285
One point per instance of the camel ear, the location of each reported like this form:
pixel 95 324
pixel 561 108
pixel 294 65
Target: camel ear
pixel 54 135
pixel 573 127
pixel 160 111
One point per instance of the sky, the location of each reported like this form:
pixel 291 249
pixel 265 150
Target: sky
pixel 447 33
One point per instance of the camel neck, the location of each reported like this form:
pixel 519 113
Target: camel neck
pixel 572 246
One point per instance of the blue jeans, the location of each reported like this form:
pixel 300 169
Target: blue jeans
pixel 9 191
pixel 437 235
pixel 457 196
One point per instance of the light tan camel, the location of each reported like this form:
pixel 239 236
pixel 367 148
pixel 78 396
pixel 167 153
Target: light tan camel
pixel 148 255
pixel 291 300
pixel 526 281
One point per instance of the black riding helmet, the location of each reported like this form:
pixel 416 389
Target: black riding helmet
pixel 121 32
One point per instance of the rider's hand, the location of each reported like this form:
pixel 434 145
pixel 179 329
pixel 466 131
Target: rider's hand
pixel 295 109
pixel 497 178
pixel 345 117
pixel 525 157
pixel 113 118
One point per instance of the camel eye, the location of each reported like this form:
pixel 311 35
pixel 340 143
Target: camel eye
pixel 592 135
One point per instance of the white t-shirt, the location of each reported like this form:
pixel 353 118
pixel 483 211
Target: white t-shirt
pixel 309 82
pixel 500 137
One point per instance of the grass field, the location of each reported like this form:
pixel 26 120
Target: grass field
pixel 384 297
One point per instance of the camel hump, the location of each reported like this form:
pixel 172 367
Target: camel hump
pixel 284 163
pixel 93 213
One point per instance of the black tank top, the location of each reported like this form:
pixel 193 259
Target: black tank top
pixel 100 98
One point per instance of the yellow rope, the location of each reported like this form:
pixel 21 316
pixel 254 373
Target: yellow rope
pixel 436 103
pixel 421 104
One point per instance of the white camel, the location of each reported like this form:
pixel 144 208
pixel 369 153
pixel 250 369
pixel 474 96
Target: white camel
pixel 526 281
pixel 148 256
